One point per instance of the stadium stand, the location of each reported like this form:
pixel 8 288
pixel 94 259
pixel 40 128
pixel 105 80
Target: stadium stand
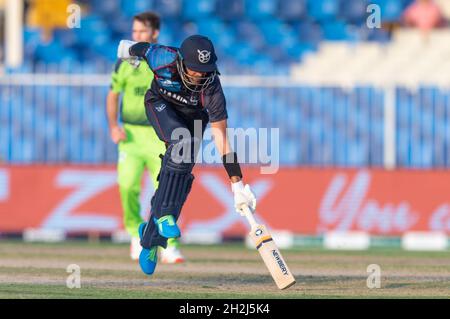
pixel 270 34
pixel 405 60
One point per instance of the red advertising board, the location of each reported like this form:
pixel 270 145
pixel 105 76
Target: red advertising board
pixel 302 200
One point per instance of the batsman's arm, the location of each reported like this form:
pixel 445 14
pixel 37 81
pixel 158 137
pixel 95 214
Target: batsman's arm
pixel 229 158
pixel 134 52
pixel 242 193
pixel 140 50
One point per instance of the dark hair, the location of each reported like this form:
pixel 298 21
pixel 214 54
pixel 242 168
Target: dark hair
pixel 149 18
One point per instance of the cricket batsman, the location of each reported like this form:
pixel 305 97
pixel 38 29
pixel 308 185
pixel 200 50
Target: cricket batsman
pixel 139 146
pixel 186 91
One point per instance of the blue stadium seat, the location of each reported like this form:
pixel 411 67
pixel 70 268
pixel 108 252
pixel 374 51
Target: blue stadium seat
pixel 260 9
pixel 32 38
pixel 284 40
pixel 264 65
pixel 108 8
pixel 198 9
pixel 292 10
pixel 316 129
pixel 31 34
pixel 272 29
pixel 93 25
pixel 377 35
pixel 357 154
pixel 53 52
pixel 375 154
pixel 354 11
pixel 133 7
pixel 121 27
pixel 421 155
pixel 250 34
pixel 391 10
pixel 168 8
pixel 184 30
pixel 335 30
pixel 221 35
pixel 66 37
pixel 439 154
pixel 230 9
pixel 289 151
pixel 143 5
pixel 166 37
pixel 176 29
pixel 309 32
pixel 322 10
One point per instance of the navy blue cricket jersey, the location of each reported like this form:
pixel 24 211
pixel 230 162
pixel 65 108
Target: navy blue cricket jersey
pixel 168 85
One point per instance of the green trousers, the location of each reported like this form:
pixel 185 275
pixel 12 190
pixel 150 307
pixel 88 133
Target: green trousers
pixel 140 151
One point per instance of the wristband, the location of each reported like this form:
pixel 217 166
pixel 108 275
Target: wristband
pixel 231 164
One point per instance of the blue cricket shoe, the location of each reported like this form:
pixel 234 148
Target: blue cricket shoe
pixel 148 257
pixel 167 227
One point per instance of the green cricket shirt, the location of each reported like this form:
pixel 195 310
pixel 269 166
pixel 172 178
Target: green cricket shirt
pixel 133 83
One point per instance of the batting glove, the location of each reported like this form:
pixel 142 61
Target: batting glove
pixel 243 196
pixel 123 52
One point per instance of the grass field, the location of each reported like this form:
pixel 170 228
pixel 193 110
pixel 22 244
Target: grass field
pixel 227 271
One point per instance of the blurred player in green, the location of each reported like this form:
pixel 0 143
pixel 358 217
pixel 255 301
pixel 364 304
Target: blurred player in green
pixel 139 146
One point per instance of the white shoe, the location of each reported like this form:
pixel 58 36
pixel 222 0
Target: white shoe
pixel 135 248
pixel 171 255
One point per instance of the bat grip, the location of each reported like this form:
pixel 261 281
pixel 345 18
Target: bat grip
pixel 249 215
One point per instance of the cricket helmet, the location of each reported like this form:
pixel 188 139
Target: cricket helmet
pixel 197 54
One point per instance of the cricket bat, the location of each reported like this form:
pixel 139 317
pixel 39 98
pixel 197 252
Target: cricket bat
pixel 269 252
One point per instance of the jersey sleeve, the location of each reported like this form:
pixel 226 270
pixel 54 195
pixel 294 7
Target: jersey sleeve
pixel 157 56
pixel 117 79
pixel 215 103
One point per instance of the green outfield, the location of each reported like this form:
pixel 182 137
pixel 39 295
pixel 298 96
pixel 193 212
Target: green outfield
pixel 226 271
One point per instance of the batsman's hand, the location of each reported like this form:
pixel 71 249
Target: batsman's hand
pixel 123 52
pixel 118 134
pixel 243 196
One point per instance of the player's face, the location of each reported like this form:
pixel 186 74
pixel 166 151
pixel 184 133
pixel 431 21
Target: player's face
pixel 195 76
pixel 143 33
pixel 193 80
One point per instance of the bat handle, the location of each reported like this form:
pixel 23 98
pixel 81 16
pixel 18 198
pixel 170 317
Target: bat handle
pixel 249 215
